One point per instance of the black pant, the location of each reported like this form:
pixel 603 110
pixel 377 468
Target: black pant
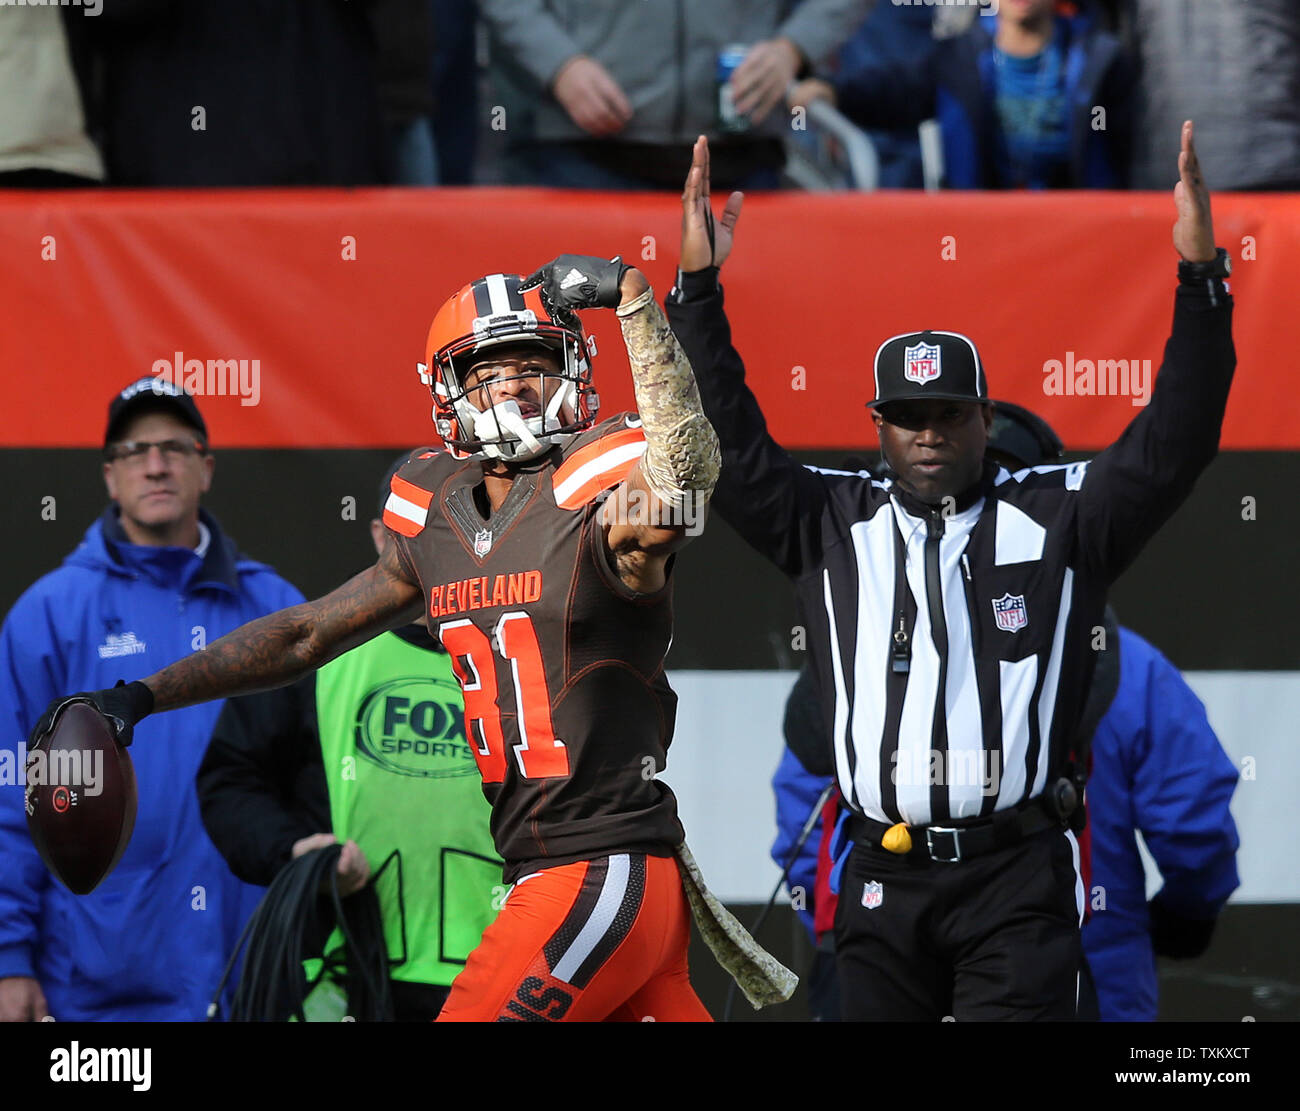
pixel 823 983
pixel 991 938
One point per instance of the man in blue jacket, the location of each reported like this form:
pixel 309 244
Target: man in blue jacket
pixel 154 578
pixel 1158 769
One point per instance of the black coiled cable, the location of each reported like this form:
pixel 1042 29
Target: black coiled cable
pixel 290 925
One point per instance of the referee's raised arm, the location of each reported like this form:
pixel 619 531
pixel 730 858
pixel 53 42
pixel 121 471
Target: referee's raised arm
pixel 772 501
pixel 1133 487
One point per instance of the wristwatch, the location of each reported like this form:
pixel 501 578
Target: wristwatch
pixel 1218 267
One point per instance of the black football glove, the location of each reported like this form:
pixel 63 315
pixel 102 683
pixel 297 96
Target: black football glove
pixel 1175 935
pixel 123 705
pixel 573 282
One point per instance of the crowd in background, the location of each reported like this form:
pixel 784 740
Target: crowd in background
pixel 607 94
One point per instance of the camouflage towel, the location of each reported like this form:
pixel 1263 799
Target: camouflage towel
pixel 762 978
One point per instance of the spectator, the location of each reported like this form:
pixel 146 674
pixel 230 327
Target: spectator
pixel 613 94
pixel 455 89
pixel 43 140
pixel 404 34
pixel 245 92
pixel 298 768
pixel 1158 769
pixel 1232 66
pixel 154 578
pixel 893 35
pixel 1039 102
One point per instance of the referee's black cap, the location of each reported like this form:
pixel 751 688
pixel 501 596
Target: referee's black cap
pixel 944 366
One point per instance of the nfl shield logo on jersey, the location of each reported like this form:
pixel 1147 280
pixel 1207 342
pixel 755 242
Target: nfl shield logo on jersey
pixel 872 895
pixel 482 542
pixel 921 363
pixel 1009 612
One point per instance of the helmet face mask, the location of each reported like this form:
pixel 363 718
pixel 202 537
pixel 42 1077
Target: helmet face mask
pixel 488 313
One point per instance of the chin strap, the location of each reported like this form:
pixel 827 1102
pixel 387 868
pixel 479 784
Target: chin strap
pixel 505 416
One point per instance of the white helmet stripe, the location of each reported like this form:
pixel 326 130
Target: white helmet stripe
pixel 496 284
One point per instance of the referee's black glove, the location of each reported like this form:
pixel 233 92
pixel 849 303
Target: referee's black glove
pixel 123 705
pixel 1175 935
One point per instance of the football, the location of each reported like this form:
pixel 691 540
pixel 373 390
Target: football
pixel 81 798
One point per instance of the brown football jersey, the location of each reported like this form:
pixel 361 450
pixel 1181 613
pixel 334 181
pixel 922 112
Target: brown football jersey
pixel 566 704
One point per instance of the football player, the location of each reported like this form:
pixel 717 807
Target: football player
pixel 538 546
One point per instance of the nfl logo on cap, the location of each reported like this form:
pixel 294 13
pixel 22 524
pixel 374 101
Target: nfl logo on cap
pixel 921 363
pixel 928 366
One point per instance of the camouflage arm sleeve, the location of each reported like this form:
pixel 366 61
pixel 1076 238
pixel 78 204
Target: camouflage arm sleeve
pixel 682 456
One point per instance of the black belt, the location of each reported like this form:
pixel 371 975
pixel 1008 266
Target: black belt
pixel 971 837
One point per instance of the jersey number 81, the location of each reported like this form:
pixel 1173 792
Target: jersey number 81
pixel 538 755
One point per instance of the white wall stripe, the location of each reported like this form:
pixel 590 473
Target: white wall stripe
pixel 728 743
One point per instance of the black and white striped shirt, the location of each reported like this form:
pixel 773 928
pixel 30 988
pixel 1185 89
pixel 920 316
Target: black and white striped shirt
pixel 954 652
pixel 983 613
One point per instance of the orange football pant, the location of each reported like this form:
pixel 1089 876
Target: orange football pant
pixel 599 940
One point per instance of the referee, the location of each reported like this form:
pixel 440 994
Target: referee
pixel 950 608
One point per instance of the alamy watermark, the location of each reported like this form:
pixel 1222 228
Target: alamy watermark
pixel 988 7
pixel 1098 378
pixel 952 768
pixel 101 1064
pixel 91 7
pixel 60 768
pixel 634 506
pixel 241 378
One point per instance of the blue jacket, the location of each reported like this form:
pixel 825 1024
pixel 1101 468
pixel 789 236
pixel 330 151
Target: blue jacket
pixel 797 792
pixel 955 86
pixel 151 942
pixel 1158 768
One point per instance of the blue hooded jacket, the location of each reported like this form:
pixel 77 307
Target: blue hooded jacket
pixel 151 942
pixel 1158 768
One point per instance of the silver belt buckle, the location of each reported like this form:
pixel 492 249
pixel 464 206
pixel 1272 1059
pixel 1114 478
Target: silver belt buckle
pixel 956 844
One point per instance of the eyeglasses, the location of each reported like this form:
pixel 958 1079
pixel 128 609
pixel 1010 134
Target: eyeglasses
pixel 135 452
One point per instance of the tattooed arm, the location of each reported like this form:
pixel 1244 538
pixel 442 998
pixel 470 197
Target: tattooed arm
pixel 281 647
